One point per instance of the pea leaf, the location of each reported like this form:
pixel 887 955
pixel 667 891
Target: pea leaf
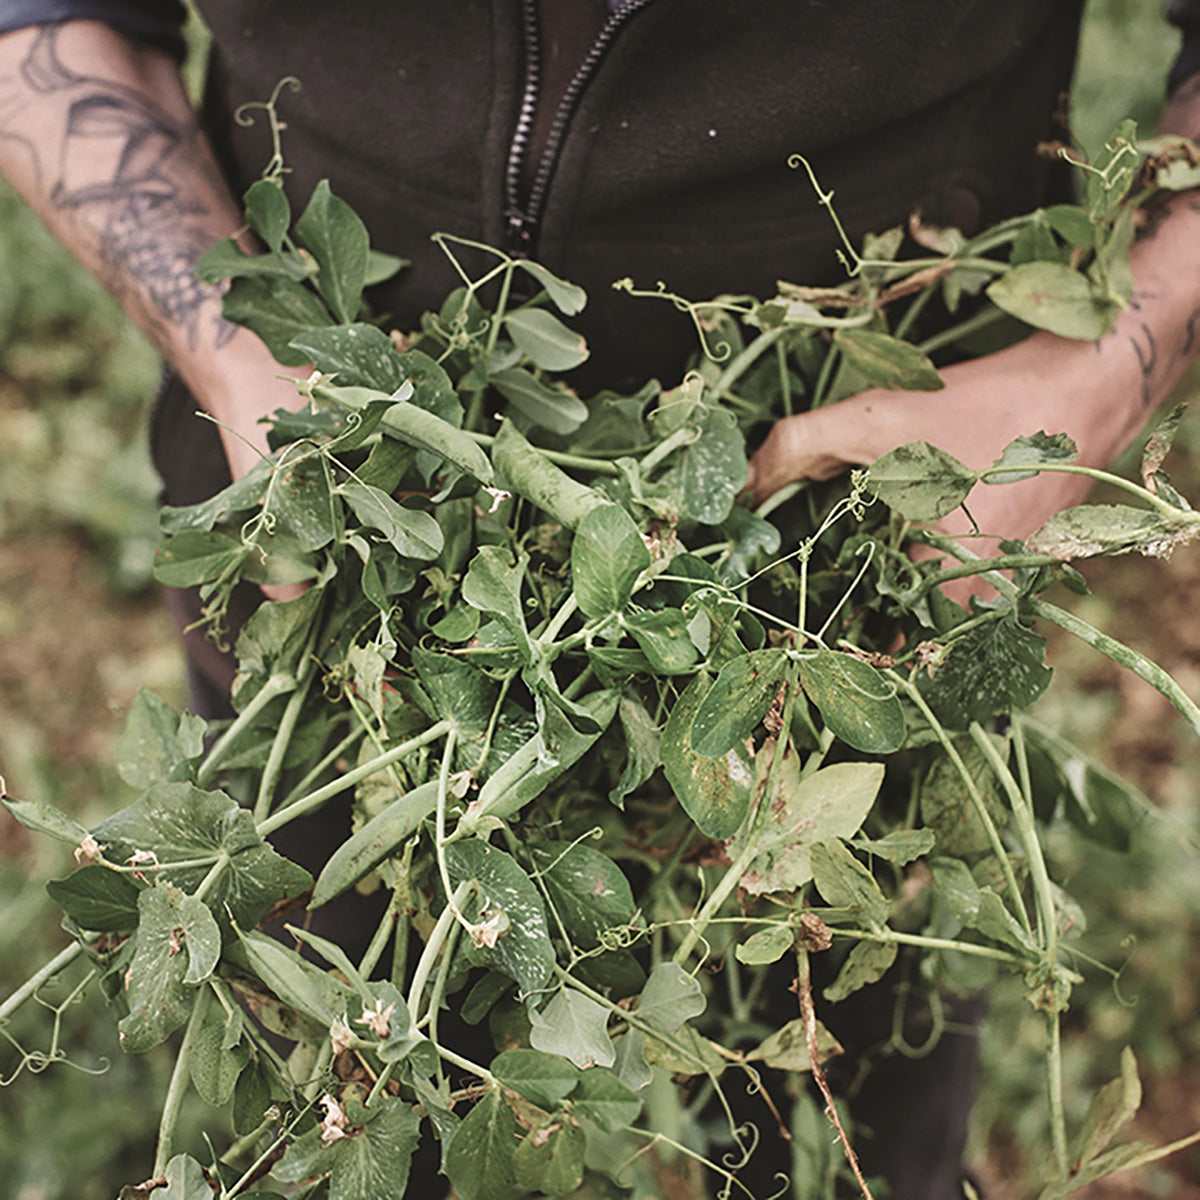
pixel 302 986
pixel 1158 445
pixel 787 1048
pixel 201 937
pixel 372 1161
pixel 740 698
pixel 503 891
pixel 920 482
pixel 714 791
pixel 545 340
pixel 177 822
pixel 947 807
pixel 607 556
pixel 479 1159
pixel 219 1055
pixel 866 963
pixel 158 745
pixel 713 468
pixel 549 1160
pixel 1073 223
pixel 1112 1107
pixel 1114 169
pixel 41 817
pixel 1052 296
pixel 546 405
pixel 588 890
pixel 604 1100
pixel 887 362
pixel 185 1180
pixel 331 231
pixel 545 1079
pixel 159 1000
pixel 575 1026
pixel 301 502
pixel 831 803
pixel 662 635
pixel 414 534
pixel 856 702
pixel 901 846
pixel 194 557
pixel 671 997
pixel 568 298
pixel 1033 450
pixel 846 885
pixel 643 744
pixel 268 212
pixel 277 310
pixel 766 946
pixel 360 355
pixel 96 898
pixel 493 585
pixel 996 667
pixel 1094 529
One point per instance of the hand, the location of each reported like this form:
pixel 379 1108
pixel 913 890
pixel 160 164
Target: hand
pixel 1090 391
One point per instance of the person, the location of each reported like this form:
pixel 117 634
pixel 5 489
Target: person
pixel 646 138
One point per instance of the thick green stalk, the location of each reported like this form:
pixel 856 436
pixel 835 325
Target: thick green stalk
pixel 315 799
pixel 279 744
pixel 985 818
pixel 178 1084
pixel 1127 657
pixel 1022 809
pixel 276 685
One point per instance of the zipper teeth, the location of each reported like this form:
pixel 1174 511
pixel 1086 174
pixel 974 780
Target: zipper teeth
pixel 531 215
pixel 566 109
pixel 520 138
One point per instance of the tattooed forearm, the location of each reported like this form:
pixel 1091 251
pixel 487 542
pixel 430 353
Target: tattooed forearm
pixel 123 171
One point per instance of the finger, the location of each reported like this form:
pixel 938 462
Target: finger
pixel 282 592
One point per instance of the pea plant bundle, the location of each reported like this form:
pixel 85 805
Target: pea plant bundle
pixel 650 781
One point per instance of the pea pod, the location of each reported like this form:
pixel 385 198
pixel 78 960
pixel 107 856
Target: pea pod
pixel 416 426
pixel 366 849
pixel 533 476
pixel 526 774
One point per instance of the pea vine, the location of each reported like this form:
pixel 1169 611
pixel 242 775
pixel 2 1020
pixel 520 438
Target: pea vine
pixel 606 727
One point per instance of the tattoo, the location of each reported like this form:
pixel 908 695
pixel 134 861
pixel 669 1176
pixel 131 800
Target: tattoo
pixel 137 200
pixel 1190 331
pixel 1147 357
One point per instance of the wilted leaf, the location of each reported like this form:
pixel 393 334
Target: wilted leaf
pixel 1093 529
pixel 1031 451
pixel 831 803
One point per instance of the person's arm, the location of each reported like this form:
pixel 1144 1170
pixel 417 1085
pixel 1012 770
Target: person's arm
pixel 97 134
pixel 1100 393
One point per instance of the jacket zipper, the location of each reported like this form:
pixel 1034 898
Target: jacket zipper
pixel 524 220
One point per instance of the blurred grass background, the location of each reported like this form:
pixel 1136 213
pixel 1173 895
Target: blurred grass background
pixel 81 630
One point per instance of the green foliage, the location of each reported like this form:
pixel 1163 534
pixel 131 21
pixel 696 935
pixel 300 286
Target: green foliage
pixel 515 660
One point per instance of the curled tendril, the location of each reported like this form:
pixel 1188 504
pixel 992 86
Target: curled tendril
pixel 718 351
pixel 242 115
pixel 747 1136
pixel 785 1185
